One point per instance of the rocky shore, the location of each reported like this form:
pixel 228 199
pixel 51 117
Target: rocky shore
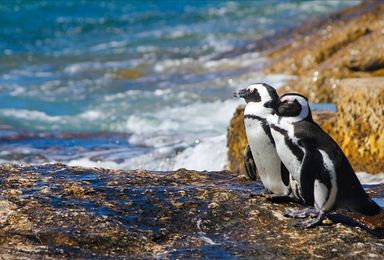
pixel 60 211
pixel 337 60
pixel 57 211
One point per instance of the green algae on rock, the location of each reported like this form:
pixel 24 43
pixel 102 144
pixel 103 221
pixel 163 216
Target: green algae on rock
pixel 60 211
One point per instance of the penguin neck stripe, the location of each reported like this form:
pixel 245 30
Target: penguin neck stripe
pixel 293 147
pixel 264 125
pixel 254 117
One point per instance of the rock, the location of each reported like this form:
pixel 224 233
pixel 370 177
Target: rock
pixel 348 45
pixel 237 139
pixel 236 142
pixel 128 74
pixel 142 214
pixel 359 127
pixel 6 209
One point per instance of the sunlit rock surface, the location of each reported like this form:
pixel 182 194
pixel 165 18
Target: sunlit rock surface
pixel 61 211
pixel 359 128
pixel 348 44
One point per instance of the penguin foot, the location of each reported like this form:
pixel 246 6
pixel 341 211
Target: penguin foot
pixel 312 223
pixel 302 213
pixel 279 198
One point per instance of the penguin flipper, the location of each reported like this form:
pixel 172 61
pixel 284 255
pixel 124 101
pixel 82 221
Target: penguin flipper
pixel 249 164
pixel 310 170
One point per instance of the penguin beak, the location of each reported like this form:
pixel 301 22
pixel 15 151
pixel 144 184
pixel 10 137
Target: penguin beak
pixel 241 93
pixel 274 104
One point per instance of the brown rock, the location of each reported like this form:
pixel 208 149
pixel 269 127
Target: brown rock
pixel 359 128
pixel 349 45
pixel 236 142
pixel 140 214
pixel 128 74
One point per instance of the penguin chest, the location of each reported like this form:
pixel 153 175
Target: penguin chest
pixel 266 158
pixel 284 149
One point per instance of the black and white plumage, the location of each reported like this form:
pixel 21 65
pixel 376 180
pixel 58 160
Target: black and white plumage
pixel 273 174
pixel 325 178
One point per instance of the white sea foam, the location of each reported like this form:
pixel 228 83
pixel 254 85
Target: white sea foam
pixel 169 65
pixel 89 66
pixel 209 154
pixel 195 118
pixel 42 121
pixel 29 115
pixel 121 95
pixel 243 60
pixel 86 162
pixel 109 45
pixel 367 178
pixel 219 45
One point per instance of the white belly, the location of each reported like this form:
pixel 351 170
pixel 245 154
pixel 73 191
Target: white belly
pixel 266 158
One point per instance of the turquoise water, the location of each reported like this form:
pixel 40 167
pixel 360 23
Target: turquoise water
pixel 138 84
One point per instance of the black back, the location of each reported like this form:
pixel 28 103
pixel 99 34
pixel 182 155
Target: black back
pixel 351 195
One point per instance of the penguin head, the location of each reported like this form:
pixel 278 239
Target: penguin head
pixel 293 106
pixel 258 93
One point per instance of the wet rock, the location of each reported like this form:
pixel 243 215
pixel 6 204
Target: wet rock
pixel 142 214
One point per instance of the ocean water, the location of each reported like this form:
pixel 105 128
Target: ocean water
pixel 134 84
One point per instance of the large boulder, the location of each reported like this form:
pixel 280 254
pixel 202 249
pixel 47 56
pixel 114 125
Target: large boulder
pixel 359 128
pixel 56 211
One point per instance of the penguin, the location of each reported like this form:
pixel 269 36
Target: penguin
pixel 273 174
pixel 326 179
